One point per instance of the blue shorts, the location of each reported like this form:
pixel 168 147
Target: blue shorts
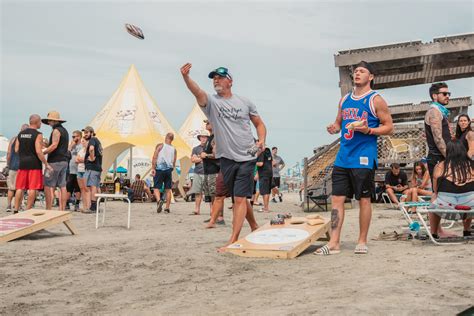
pixel 80 175
pixel 163 177
pixel 92 178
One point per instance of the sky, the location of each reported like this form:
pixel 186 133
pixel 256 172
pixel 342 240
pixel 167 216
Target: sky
pixel 70 56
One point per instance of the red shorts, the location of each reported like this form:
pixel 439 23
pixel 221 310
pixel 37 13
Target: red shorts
pixel 221 189
pixel 29 179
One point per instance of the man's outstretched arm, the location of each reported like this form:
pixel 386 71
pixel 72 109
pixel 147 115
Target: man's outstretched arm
pixel 199 94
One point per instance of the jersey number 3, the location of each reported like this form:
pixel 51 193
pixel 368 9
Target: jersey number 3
pixel 349 134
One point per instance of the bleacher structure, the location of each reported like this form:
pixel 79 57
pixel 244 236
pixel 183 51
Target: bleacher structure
pixel 397 65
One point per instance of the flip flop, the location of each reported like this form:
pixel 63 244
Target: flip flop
pixel 361 249
pixel 393 236
pixel 325 251
pixel 194 213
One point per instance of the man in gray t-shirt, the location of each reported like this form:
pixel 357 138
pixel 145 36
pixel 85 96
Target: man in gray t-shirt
pixel 198 178
pixel 278 165
pixel 231 117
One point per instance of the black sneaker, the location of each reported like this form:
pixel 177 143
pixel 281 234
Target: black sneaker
pixel 159 206
pixel 167 210
pixel 274 200
pixel 280 197
pixel 9 208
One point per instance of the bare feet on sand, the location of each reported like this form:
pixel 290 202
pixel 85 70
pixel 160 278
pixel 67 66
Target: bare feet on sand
pixel 222 249
pixel 210 225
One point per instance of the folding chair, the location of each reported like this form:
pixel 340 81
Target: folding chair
pixel 404 206
pixel 386 198
pixel 452 215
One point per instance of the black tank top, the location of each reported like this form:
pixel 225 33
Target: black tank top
pixel 432 148
pixel 450 187
pixel 61 153
pixel 211 166
pixel 28 158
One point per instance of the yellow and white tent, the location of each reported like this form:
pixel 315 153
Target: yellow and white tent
pixel 132 118
pixel 193 126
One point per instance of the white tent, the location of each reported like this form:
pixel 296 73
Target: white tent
pixel 132 118
pixel 141 162
pixel 193 126
pixel 3 145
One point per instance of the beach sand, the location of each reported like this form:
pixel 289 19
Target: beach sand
pixel 168 264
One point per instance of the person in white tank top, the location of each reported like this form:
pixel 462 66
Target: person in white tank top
pixel 165 159
pixel 163 163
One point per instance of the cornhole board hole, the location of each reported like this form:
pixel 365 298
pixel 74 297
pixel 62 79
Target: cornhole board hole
pixel 25 223
pixel 285 241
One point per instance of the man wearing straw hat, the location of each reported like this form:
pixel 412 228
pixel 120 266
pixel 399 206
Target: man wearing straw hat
pixel 58 159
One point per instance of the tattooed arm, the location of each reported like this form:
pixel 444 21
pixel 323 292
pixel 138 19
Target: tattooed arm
pixel 435 121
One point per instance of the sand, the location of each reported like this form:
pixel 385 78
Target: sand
pixel 168 264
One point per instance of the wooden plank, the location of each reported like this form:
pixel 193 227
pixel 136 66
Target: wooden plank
pixel 25 223
pixel 285 241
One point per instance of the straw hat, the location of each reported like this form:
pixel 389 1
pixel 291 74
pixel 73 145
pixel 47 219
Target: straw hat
pixel 53 116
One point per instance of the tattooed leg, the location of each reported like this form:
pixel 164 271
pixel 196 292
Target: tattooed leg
pixel 334 218
pixel 337 218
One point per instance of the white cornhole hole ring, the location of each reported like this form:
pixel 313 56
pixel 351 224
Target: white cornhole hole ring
pixel 277 236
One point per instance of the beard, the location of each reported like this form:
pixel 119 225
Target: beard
pixel 218 88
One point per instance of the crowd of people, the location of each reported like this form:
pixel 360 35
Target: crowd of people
pixel 60 167
pixel 230 162
pixel 445 176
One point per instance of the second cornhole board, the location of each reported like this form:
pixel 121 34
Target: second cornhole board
pixel 25 223
pixel 285 241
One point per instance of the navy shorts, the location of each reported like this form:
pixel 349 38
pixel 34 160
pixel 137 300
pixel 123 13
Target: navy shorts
pixel 353 181
pixel 238 176
pixel 163 177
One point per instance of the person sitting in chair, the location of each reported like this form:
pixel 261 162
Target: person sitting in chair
pixel 420 183
pixel 137 189
pixel 453 185
pixel 396 182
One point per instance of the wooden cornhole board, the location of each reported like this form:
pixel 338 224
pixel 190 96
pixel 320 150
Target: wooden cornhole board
pixel 25 223
pixel 285 241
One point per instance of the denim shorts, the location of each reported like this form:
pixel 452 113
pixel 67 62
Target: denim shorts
pixel 92 178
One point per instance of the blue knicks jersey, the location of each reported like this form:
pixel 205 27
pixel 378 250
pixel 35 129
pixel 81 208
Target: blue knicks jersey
pixel 358 150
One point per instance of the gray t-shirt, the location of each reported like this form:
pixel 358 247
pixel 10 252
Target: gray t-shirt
pixel 278 162
pixel 72 162
pixel 230 119
pixel 198 167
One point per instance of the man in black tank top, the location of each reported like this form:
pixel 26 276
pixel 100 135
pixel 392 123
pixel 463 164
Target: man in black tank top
pixel 29 177
pixel 58 158
pixel 437 125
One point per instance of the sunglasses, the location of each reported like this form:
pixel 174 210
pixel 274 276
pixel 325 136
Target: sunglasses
pixel 446 94
pixel 222 71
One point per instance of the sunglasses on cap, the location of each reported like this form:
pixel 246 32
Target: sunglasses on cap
pixel 446 94
pixel 222 72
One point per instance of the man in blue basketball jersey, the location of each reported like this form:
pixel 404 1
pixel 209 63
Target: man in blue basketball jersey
pixel 362 115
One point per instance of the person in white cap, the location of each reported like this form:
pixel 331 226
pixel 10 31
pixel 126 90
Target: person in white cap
pixel 198 178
